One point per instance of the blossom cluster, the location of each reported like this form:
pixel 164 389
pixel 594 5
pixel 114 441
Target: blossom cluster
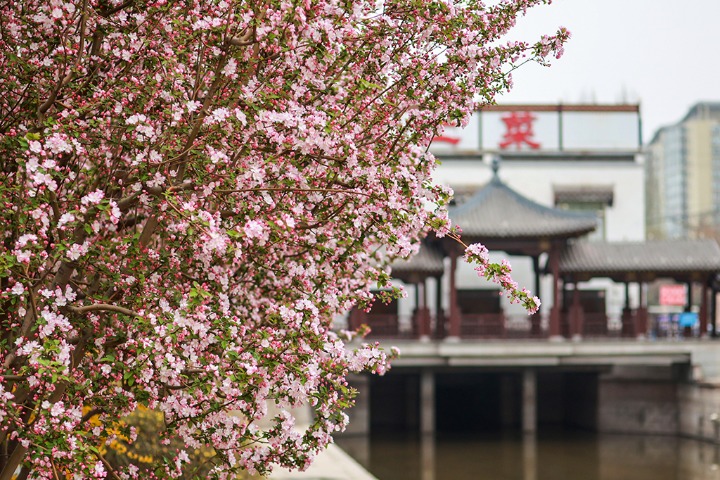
pixel 499 273
pixel 192 191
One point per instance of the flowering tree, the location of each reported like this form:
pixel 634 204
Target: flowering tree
pixel 191 191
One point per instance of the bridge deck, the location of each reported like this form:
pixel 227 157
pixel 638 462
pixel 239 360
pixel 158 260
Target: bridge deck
pixel 528 353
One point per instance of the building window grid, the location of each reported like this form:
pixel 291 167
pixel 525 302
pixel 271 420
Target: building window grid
pixel 675 182
pixel 598 208
pixel 716 176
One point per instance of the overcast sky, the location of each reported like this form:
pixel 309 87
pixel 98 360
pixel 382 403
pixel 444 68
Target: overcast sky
pixel 664 54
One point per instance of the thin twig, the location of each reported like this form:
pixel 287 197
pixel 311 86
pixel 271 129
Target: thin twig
pixel 107 465
pixel 54 469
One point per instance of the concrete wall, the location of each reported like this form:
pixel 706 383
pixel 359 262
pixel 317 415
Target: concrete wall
pixel 638 400
pixel 581 407
pixel 700 411
pixel 360 413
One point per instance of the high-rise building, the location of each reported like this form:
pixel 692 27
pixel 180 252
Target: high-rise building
pixel 683 176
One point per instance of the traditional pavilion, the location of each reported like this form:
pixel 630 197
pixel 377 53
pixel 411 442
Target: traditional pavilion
pixel 683 261
pixel 504 220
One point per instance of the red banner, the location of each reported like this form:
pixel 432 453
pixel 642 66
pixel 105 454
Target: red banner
pixel 673 295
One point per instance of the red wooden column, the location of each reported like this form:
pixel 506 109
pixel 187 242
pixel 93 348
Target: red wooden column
pixel 454 330
pixel 577 315
pixel 357 317
pixel 641 314
pixel 712 314
pixel 554 327
pixel 535 319
pixel 628 319
pixel 439 313
pixel 703 314
pixel 422 313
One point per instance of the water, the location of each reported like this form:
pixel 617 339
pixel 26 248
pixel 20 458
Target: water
pixel 549 456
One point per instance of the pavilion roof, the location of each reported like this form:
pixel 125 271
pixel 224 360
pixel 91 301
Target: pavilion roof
pixel 499 212
pixel 646 260
pixel 428 262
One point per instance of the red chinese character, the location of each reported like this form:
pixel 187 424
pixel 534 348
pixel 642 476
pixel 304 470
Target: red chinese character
pixel 447 139
pixel 519 130
pixel 450 140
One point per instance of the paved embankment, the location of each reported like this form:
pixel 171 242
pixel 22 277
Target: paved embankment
pixel 332 464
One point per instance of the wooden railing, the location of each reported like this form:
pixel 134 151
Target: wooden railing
pixel 482 325
pixel 494 326
pixel 383 325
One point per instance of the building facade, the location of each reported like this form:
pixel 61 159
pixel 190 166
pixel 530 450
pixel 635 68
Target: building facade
pixel 551 163
pixel 683 176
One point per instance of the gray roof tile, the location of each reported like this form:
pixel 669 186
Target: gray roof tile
pixel 428 263
pixel 497 211
pixel 667 256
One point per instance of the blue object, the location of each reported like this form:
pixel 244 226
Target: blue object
pixel 688 319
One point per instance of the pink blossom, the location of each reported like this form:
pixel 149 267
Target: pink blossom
pixel 35 146
pixel 18 289
pixel 65 218
pixel 77 250
pixel 93 198
pixel 254 229
pixel 25 239
pixel 99 470
pixel 23 256
pixel 58 143
pixel 57 409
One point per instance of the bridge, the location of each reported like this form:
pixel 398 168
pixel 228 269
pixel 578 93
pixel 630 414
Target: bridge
pixel 613 386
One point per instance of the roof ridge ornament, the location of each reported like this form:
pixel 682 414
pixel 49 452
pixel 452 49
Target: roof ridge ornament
pixel 495 165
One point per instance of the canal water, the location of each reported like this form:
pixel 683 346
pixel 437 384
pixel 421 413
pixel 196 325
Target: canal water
pixel 560 455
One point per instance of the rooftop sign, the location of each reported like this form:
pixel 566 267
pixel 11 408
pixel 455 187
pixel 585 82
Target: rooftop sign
pixel 544 128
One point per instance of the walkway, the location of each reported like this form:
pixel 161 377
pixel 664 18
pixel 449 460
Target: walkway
pixel 332 464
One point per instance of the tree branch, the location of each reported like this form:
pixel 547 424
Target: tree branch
pixel 297 190
pixel 111 11
pixel 90 414
pixel 103 307
pixel 148 230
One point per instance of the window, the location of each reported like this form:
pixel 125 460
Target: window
pixel 589 199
